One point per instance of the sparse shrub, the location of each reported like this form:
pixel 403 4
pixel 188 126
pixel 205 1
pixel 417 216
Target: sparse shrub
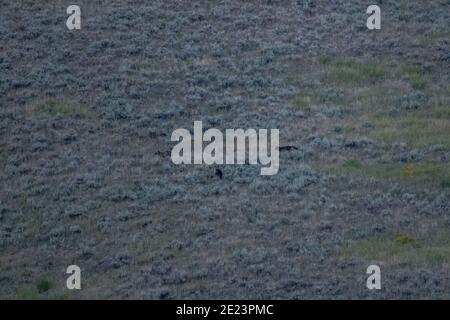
pixel 332 96
pixel 133 49
pixel 413 101
pixel 413 155
pixel 101 45
pixel 298 184
pixel 251 215
pixel 119 110
pixel 43 284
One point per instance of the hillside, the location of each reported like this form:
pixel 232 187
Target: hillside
pixel 86 118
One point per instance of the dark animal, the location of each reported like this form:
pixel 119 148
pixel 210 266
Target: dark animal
pixel 288 148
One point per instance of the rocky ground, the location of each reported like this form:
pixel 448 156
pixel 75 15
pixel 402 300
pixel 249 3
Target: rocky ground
pixel 86 176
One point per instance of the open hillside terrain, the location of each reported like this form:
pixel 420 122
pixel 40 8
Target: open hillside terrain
pixel 86 177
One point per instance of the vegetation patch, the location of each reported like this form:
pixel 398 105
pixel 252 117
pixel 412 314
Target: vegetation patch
pixel 436 36
pixel 320 96
pixel 403 248
pixel 437 175
pixel 40 289
pixel 54 106
pixel 419 128
pixel 404 238
pixel 43 284
pixel 305 101
pixel 353 164
pixel 351 72
pixel 415 74
pixel 445 182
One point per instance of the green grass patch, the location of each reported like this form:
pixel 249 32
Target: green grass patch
pixel 353 164
pixel 437 175
pixel 43 284
pixel 435 36
pixel 404 238
pixel 42 288
pixel 305 101
pixel 415 74
pixel 420 128
pixel 410 68
pixel 53 107
pixel 418 82
pixel 27 293
pixel 325 60
pixel 445 182
pixel 403 248
pixel 351 72
pixel 32 293
pixel 320 96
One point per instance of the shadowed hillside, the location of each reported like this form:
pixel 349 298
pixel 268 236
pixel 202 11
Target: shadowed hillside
pixel 86 118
